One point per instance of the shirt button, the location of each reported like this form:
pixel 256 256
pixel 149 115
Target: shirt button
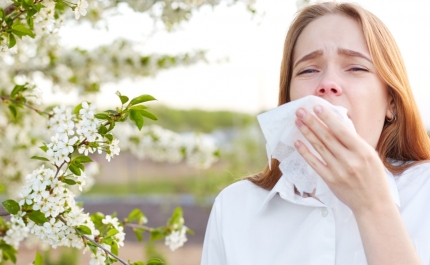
pixel 324 212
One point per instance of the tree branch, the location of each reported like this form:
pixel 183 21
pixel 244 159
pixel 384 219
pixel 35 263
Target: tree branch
pixel 4 214
pixel 4 98
pixel 149 229
pixel 96 243
pixel 8 10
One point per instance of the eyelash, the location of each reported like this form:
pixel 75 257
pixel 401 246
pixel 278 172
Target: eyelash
pixel 355 69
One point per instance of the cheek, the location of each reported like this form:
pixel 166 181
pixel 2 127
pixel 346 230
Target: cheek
pixel 300 90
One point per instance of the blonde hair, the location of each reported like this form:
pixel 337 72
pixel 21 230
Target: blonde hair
pixel 404 139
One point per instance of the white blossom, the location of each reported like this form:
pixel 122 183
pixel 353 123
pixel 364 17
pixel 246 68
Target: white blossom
pixel 114 222
pixel 176 239
pixel 81 8
pixel 112 149
pixel 162 145
pixel 17 230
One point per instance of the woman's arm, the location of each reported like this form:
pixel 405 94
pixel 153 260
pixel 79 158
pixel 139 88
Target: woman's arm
pixel 385 239
pixel 356 175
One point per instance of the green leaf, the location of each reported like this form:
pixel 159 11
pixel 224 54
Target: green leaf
pixel 123 99
pixel 111 126
pixel 38 217
pixel 39 6
pixel 2 13
pixel 140 99
pixel 31 13
pixel 138 233
pixel 114 248
pixel 83 159
pixel 139 107
pixel 44 148
pixel 113 112
pixel 30 22
pixel 77 109
pixel 102 116
pixel 69 181
pixel 75 170
pixel 39 259
pixel 156 234
pixel 189 231
pixel 135 215
pixel 137 118
pixel 109 137
pixel 102 129
pixel 39 158
pixel 12 40
pixel 22 30
pixel 84 229
pixel 154 261
pixel 13 111
pixel 112 232
pixel 97 219
pixel 16 89
pixel 177 217
pixel 8 251
pixel 138 263
pixel 148 115
pixel 11 206
pixel 79 165
pixel 109 260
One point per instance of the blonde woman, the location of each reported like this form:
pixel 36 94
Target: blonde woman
pixel 345 55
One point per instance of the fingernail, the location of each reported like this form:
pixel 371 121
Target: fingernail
pixel 297 144
pixel 299 123
pixel 318 109
pixel 300 113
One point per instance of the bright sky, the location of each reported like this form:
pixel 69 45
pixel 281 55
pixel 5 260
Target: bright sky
pixel 248 81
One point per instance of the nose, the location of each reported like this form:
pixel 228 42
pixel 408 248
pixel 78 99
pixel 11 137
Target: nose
pixel 329 86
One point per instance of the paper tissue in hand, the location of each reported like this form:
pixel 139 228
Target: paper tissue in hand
pixel 279 129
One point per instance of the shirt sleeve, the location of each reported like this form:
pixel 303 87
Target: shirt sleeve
pixel 213 245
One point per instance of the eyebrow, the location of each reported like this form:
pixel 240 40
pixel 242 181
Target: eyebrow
pixel 341 51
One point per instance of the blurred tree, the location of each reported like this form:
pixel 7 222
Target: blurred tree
pixel 31 55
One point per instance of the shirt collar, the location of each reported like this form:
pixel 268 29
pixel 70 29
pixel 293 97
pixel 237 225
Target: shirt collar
pixel 285 189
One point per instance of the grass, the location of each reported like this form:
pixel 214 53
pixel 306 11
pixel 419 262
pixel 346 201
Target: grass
pixel 210 183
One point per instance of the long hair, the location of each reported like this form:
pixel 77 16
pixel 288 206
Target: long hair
pixel 406 138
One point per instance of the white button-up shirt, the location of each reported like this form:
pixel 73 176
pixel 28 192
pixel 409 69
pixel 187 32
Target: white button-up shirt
pixel 249 225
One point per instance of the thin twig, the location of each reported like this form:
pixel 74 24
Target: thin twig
pixel 97 244
pixel 9 9
pixel 149 229
pixel 4 214
pixel 25 104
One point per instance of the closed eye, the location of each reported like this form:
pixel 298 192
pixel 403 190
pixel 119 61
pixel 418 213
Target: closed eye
pixel 356 69
pixel 307 71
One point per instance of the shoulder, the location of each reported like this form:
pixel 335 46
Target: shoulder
pixel 241 194
pixel 415 179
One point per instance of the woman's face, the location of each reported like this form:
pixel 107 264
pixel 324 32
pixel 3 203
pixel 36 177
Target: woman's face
pixel 331 60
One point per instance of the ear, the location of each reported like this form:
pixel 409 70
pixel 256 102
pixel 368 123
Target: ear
pixel 391 106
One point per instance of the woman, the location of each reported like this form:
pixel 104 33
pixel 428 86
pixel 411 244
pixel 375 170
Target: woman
pixel 345 55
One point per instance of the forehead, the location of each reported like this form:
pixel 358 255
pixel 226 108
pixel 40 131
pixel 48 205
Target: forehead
pixel 331 32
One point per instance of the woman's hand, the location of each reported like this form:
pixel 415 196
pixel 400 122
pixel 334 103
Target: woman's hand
pixel 354 172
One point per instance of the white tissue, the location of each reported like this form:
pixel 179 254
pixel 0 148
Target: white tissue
pixel 279 129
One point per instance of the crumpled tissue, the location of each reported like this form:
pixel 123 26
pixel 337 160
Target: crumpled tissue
pixel 279 129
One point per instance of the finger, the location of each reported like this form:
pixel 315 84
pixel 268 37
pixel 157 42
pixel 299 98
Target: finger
pixel 316 143
pixel 341 131
pixel 322 132
pixel 312 160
